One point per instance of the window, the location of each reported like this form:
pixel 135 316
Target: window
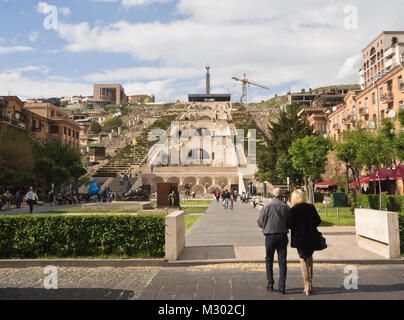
pixel 70 133
pixel 401 105
pixel 65 130
pixel 400 82
pixel 366 103
pixel 373 98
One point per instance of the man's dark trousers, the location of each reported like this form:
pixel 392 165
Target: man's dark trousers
pixel 276 242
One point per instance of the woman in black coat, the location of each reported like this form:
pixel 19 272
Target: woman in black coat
pixel 303 222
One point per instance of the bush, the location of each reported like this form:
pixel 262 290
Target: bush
pixel 318 197
pixel 391 203
pixel 81 236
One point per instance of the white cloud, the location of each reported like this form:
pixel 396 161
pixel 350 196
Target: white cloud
pixel 5 50
pixel 277 43
pixel 64 11
pixel 17 83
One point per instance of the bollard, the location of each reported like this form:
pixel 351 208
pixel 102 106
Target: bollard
pixel 325 210
pixel 337 214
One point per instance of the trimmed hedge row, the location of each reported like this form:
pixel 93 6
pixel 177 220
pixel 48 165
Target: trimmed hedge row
pixel 391 203
pixel 81 236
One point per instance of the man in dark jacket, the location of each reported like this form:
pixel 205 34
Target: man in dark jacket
pixel 273 220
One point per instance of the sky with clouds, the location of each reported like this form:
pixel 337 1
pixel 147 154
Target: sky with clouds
pixel 161 47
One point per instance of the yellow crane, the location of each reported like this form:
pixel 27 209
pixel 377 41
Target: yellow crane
pixel 244 83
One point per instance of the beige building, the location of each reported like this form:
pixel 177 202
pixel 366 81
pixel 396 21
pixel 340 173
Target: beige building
pixel 381 56
pixel 105 94
pixel 371 106
pixel 316 118
pixel 61 128
pixel 139 99
pixel 11 114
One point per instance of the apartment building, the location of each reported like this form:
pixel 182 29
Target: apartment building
pixel 11 114
pixel 61 128
pixel 381 56
pixel 316 117
pixel 109 94
pixel 368 108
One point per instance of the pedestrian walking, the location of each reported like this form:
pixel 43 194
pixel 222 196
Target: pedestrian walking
pixel 51 197
pixel 32 198
pixel 303 222
pixel 152 167
pixel 273 220
pixel 18 199
pixel 226 199
pixel 235 195
pixel 231 201
pixel 8 196
pixel 217 196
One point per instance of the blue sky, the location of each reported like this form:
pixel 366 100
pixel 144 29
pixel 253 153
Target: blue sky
pixel 162 46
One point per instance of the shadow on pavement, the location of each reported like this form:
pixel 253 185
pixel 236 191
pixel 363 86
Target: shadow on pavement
pixel 64 294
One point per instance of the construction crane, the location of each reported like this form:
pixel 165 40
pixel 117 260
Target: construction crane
pixel 244 83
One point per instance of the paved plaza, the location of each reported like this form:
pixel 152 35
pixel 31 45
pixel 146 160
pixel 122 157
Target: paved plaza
pixel 235 235
pixel 211 282
pixel 199 275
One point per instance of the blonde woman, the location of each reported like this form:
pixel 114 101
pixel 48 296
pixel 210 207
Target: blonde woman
pixel 303 222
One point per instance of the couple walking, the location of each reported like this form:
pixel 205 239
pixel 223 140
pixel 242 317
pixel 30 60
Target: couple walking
pixel 276 218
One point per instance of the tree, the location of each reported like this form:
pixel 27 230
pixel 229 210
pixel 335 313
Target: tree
pixel 309 156
pixel 95 127
pixel 347 152
pixel 285 128
pixel 375 150
pixel 16 156
pixel 112 124
pixel 285 169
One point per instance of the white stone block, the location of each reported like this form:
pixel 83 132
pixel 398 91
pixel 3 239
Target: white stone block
pixel 175 235
pixel 378 231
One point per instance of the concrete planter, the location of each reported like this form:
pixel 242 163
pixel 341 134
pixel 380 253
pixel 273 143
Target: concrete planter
pixel 378 231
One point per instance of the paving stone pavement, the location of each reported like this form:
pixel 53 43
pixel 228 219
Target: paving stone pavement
pixel 211 282
pixel 248 282
pixel 76 283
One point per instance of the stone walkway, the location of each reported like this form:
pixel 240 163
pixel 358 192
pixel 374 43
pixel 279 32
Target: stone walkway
pixel 234 235
pixel 211 282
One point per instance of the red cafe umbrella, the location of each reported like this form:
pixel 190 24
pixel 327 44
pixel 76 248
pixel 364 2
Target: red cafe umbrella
pixel 361 181
pixel 398 173
pixel 384 175
pixel 326 184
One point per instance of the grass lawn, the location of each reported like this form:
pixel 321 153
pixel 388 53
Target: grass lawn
pixel 189 222
pixel 345 216
pixel 196 209
pixel 197 202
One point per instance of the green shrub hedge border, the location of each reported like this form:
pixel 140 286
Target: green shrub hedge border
pixel 81 236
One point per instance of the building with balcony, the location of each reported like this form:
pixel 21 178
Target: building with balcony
pixel 11 114
pixel 316 118
pixel 61 128
pixel 381 56
pixel 368 108
pixel 109 94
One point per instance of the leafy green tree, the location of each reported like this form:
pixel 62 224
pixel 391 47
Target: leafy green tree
pixel 309 156
pixel 284 129
pixel 376 151
pixel 401 117
pixel 398 146
pixel 112 124
pixel 285 169
pixel 95 127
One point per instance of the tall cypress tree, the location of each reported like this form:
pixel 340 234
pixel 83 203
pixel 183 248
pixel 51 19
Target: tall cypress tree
pixel 284 129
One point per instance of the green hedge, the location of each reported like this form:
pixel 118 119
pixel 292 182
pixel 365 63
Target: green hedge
pixel 391 203
pixel 81 236
pixel 318 197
